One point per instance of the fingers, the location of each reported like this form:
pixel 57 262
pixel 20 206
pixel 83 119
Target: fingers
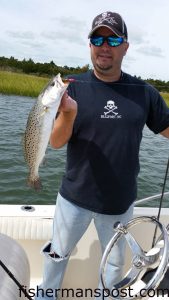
pixel 67 103
pixel 65 95
pixel 65 99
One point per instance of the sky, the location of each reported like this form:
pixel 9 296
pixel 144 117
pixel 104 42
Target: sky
pixel 46 30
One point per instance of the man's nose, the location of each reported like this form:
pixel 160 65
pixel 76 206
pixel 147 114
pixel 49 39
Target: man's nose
pixel 105 45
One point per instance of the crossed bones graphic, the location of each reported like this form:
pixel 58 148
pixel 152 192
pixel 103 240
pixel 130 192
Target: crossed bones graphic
pixel 110 107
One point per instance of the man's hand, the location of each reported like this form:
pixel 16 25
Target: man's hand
pixel 67 104
pixel 63 125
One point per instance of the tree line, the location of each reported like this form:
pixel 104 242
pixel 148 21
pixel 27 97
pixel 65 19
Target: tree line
pixel 51 69
pixel 40 69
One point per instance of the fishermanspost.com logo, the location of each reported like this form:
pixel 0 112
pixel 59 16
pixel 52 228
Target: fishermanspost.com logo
pixel 89 293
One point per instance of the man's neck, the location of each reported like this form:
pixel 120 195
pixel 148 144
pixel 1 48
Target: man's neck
pixel 108 77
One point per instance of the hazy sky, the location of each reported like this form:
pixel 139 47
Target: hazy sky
pixel 46 30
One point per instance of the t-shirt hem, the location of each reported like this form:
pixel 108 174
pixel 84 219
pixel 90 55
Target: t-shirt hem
pixel 93 209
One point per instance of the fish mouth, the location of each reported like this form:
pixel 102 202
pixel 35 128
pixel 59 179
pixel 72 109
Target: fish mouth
pixel 63 83
pixel 55 84
pixel 66 80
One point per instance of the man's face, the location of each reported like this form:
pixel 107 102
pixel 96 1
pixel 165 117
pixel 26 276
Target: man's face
pixel 107 59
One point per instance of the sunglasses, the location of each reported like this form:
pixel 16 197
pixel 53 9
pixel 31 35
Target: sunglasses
pixel 112 41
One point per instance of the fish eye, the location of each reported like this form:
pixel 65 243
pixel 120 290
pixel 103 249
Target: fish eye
pixel 53 83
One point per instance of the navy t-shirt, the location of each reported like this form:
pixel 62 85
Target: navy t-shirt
pixel 103 152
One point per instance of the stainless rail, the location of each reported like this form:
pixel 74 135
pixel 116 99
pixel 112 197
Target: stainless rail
pixel 150 198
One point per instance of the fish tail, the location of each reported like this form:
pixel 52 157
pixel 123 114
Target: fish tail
pixel 34 183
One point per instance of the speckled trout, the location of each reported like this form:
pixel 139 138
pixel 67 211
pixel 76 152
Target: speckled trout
pixel 39 127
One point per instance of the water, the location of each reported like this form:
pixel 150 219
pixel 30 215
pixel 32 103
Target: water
pixel 13 170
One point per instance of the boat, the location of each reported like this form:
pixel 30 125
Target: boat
pixel 30 226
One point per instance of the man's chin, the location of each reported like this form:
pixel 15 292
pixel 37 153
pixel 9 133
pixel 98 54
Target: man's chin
pixel 103 68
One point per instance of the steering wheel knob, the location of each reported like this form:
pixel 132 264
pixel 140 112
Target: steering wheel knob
pixel 138 261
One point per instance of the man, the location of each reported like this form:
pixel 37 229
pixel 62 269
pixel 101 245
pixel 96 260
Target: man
pixel 101 117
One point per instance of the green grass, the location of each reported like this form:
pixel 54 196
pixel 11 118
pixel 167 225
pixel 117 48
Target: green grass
pixel 166 97
pixel 28 85
pixel 21 84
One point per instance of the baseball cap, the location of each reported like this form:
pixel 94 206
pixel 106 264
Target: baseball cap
pixel 111 20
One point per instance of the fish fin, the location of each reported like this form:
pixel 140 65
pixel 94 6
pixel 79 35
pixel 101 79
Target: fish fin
pixel 45 110
pixel 36 183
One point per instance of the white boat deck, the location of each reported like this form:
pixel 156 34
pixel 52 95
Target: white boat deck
pixel 33 228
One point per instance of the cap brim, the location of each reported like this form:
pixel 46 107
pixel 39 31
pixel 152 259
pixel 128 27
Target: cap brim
pixel 97 27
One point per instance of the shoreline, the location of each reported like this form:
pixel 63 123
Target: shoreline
pixel 21 84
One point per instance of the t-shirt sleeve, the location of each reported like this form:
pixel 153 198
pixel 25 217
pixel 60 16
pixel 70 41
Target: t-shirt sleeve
pixel 158 116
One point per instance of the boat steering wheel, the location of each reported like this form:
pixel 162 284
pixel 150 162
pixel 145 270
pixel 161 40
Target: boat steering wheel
pixel 156 258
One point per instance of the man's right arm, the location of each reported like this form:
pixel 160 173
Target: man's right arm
pixel 63 125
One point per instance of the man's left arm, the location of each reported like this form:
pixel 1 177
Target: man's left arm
pixel 165 132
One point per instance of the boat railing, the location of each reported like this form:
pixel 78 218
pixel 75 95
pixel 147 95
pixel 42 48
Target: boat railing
pixel 148 199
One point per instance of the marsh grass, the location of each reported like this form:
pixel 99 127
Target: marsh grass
pixel 29 85
pixel 166 97
pixel 21 84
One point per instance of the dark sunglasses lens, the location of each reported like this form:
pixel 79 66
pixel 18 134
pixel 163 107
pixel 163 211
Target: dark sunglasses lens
pixel 114 41
pixel 111 40
pixel 97 41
